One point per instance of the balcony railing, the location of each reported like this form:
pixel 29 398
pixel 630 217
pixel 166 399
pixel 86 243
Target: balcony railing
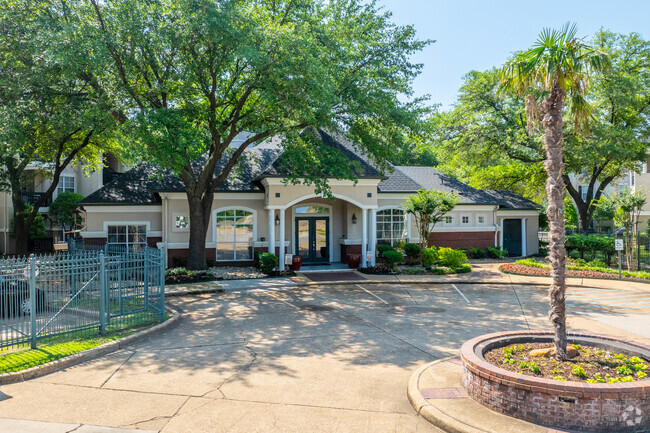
pixel 32 197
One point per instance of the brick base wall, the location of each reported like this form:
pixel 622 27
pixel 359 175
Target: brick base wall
pixel 349 249
pixel 462 240
pixel 620 407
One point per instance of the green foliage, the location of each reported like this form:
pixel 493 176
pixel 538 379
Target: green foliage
pixel 451 258
pixel 179 271
pixel 534 367
pixel 497 253
pixel 37 227
pixel 570 212
pixel 463 269
pixel 530 262
pixel 197 74
pixel 392 258
pixel 64 209
pixel 49 110
pixel 590 243
pixel 429 256
pixel 429 207
pixel 382 248
pixel 267 262
pixel 412 251
pixel 476 253
pixel 577 370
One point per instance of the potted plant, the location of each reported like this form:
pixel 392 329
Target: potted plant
pixel 354 260
pixel 296 263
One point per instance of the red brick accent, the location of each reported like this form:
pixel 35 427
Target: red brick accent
pixel 94 241
pixel 599 407
pixel 349 249
pixel 464 240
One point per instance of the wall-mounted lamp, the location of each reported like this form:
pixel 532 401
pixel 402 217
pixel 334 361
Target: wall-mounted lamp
pixel 354 218
pixel 277 220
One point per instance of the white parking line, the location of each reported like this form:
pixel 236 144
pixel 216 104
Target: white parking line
pixel 368 291
pixel 461 293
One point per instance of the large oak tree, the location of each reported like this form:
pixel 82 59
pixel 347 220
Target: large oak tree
pixel 191 75
pixel 50 115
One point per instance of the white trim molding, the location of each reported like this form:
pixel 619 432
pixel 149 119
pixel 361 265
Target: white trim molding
pixel 309 196
pixel 123 209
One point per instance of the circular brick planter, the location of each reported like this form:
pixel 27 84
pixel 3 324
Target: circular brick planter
pixel 596 407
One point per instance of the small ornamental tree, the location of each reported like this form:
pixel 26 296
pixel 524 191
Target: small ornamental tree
pixel 64 210
pixel 429 207
pixel 625 208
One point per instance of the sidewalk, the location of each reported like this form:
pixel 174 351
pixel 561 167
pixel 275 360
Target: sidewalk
pixel 484 273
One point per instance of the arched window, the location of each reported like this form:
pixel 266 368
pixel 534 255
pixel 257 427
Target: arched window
pixel 391 226
pixel 235 234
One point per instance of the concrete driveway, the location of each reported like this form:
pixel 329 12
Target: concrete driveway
pixel 314 359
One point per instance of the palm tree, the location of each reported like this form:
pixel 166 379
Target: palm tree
pixel 554 69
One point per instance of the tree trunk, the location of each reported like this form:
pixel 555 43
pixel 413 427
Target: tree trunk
pixel 200 209
pixel 551 109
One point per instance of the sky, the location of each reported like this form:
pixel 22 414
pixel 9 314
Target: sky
pixel 481 34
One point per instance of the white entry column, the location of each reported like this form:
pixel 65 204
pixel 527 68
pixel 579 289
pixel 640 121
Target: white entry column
pixel 281 256
pixel 523 237
pixel 373 236
pixel 272 231
pixel 364 238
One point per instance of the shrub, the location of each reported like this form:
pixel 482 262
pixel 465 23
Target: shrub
pixel 429 256
pixel 392 258
pixel 179 271
pixel 382 248
pixel 476 253
pixel 463 269
pixel 412 250
pixel 451 258
pixel 579 262
pixel 268 262
pixel 530 262
pixel 497 253
pixel 596 264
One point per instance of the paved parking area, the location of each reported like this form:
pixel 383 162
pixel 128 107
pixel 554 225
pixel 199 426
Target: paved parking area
pixel 310 359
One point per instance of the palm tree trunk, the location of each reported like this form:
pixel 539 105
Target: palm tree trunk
pixel 551 110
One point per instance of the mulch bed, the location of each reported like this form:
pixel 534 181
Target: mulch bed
pixel 512 268
pixel 599 366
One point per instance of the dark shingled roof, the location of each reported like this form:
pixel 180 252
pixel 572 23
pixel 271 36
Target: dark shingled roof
pixel 142 185
pixel 410 179
pixel 361 168
pixel 510 200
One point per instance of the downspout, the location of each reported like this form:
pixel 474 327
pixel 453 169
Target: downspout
pixel 496 226
pixel 6 219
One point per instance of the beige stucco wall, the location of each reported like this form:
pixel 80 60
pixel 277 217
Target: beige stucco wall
pixel 342 189
pixel 98 216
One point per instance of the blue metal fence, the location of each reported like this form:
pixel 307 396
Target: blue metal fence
pixel 81 291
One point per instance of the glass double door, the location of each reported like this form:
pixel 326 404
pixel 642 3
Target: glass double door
pixel 312 239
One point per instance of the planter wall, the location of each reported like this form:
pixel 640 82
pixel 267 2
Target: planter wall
pixel 596 407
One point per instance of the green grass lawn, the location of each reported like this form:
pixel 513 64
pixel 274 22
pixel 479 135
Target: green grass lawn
pixel 59 347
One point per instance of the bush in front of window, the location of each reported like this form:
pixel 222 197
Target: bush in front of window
pixel 392 258
pixel 267 262
pixel 429 256
pixel 412 251
pixel 451 258
pixel 382 248
pixel 476 253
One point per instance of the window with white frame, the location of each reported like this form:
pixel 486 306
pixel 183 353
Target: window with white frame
pixel 235 234
pixel 448 219
pixel 181 223
pixel 66 184
pixel 480 219
pixel 130 235
pixel 391 226
pixel 464 219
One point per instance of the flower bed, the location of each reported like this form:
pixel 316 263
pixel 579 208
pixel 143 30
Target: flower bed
pixel 598 407
pixel 513 268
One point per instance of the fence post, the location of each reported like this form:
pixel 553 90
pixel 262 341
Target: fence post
pixel 102 293
pixel 162 284
pixel 146 278
pixel 32 299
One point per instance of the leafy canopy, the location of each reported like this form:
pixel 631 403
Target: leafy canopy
pixel 64 209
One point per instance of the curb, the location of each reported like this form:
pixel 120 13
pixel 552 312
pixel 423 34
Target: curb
pixel 429 412
pixel 194 292
pixel 95 352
